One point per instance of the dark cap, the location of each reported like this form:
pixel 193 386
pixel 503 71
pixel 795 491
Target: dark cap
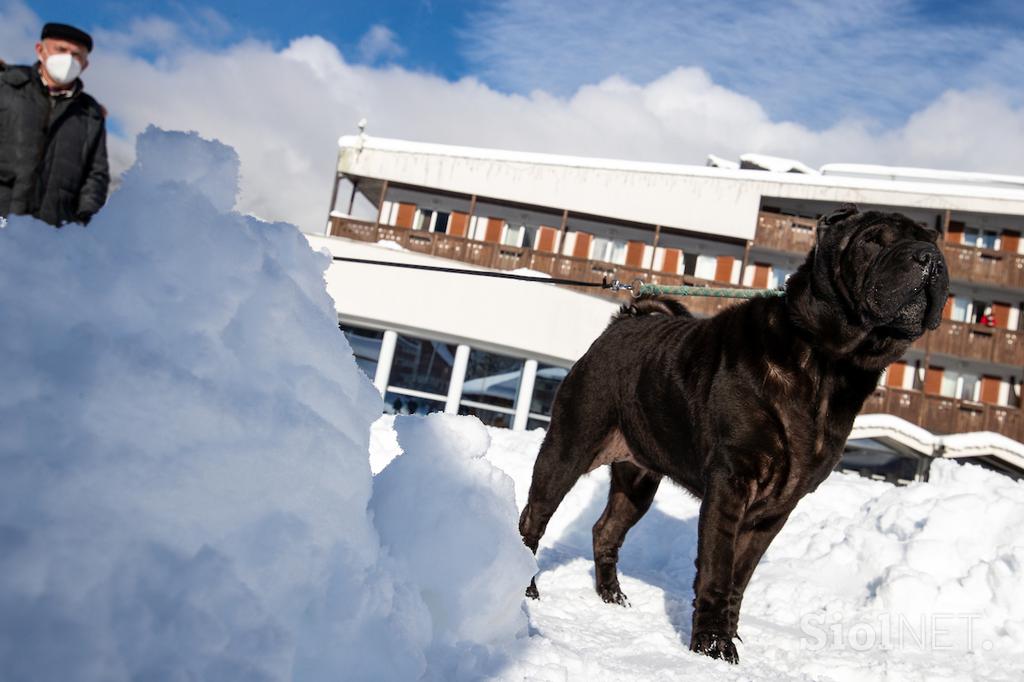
pixel 67 32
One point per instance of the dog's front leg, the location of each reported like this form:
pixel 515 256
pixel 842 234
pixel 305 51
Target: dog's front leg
pixel 721 511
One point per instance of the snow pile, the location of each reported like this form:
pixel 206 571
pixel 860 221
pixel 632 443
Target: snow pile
pixel 438 513
pixel 867 581
pixel 184 479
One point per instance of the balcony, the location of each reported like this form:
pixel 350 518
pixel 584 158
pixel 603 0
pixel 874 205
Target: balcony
pixel 940 414
pixel 966 263
pixel 975 341
pixel 502 257
pixel 985 266
pixel 784 232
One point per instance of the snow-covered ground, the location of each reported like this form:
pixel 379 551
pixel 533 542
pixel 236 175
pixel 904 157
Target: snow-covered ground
pixel 867 581
pixel 195 483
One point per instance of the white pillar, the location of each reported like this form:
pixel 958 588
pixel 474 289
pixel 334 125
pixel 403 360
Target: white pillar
pixel 451 405
pixel 525 396
pixel 384 360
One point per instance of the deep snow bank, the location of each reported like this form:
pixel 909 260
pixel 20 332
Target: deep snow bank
pixel 184 478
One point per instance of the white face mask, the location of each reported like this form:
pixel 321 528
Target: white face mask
pixel 63 68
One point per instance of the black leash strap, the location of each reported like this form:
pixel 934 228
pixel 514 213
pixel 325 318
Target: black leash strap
pixel 478 273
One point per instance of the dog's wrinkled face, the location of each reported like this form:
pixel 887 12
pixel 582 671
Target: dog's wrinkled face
pixel 892 271
pixel 873 283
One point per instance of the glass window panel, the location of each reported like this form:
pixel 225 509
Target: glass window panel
pixel 970 385
pixel 960 309
pixel 489 417
pixel 365 345
pixel 492 378
pixel 547 382
pixel 422 365
pixel 513 235
pixel 949 381
pixel 441 224
pixel 532 424
pixel 988 240
pixel 397 403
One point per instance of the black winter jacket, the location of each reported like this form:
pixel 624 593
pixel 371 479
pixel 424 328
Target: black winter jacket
pixel 53 150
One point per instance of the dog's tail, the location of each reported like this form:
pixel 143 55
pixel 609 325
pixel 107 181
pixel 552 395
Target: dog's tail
pixel 652 305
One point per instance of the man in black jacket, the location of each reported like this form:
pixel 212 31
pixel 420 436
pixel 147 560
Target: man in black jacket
pixel 53 139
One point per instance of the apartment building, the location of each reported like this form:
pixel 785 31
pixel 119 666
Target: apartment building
pixel 587 219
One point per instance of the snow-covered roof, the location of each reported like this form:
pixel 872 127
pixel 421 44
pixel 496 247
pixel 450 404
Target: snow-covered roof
pixel 860 170
pixel 953 446
pixel 775 164
pixel 715 200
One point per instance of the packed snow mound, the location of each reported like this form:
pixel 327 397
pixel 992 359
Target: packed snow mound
pixel 450 517
pixel 184 474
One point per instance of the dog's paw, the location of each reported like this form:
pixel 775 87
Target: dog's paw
pixel 613 595
pixel 714 645
pixel 532 592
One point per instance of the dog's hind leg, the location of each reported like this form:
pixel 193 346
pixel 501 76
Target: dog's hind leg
pixel 629 497
pixel 560 463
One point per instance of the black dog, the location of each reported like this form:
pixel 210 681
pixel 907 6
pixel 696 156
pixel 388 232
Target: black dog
pixel 748 410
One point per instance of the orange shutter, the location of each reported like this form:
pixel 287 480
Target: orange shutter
pixel 406 213
pixel 635 254
pixel 894 377
pixel 990 389
pixel 1001 314
pixel 761 272
pixel 671 261
pixel 723 269
pixel 546 239
pixel 955 235
pixel 947 310
pixel 493 233
pixel 1011 241
pixel 459 224
pixel 582 247
pixel 933 380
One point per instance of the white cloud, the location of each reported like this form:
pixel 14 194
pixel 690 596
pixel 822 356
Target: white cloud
pixel 379 43
pixel 283 110
pixel 814 62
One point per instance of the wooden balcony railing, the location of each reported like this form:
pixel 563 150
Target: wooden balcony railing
pixel 985 265
pixel 784 232
pixel 975 341
pixel 966 263
pixel 940 414
pixel 502 257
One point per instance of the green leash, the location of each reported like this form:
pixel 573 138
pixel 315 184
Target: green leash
pixel 710 292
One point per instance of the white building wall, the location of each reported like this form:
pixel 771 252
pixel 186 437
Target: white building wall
pixel 543 321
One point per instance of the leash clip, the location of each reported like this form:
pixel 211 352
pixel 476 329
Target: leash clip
pixel 633 287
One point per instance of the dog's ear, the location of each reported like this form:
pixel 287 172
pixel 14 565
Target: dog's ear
pixel 838 215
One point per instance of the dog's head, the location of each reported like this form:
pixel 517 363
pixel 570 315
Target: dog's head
pixel 873 283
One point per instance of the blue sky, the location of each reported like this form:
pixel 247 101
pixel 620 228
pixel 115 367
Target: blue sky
pixel 810 62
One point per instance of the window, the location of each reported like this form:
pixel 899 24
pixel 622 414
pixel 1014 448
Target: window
pixel 949 382
pixel 401 403
pixel 422 366
pixel 706 267
pixel 549 378
pixel 490 388
pixel 983 239
pixel 513 235
pixel 441 222
pixel 608 250
pixel 961 309
pixel 969 386
pixel 365 345
pixel 960 385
